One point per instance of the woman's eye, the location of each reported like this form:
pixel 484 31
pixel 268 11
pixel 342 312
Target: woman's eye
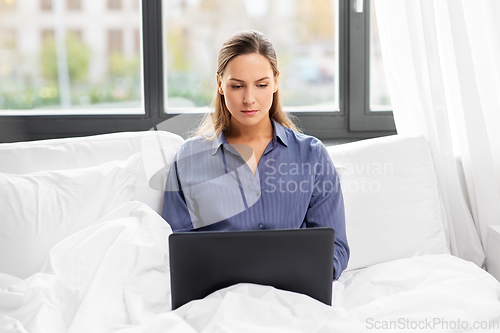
pixel 262 85
pixel 237 87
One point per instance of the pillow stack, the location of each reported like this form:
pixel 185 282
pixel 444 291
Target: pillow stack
pixel 40 209
pixel 50 189
pixel 392 201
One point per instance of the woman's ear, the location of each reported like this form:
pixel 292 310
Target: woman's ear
pixel 219 84
pixel 276 82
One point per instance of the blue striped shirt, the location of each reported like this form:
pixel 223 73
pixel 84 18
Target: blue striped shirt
pixel 210 187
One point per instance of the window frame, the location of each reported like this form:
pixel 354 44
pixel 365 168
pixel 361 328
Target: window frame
pixel 353 122
pixel 361 118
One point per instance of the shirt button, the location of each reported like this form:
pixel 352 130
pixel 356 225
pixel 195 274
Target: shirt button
pixel 261 225
pixel 257 193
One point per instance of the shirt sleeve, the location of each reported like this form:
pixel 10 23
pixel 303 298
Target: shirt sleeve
pixel 175 210
pixel 326 208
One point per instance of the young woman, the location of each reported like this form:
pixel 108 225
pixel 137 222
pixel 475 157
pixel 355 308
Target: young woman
pixel 248 167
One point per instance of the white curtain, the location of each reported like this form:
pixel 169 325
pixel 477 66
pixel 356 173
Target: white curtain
pixel 442 61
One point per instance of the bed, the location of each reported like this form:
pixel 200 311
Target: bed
pixel 83 248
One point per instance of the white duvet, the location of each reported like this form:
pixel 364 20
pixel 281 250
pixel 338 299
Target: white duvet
pixel 114 277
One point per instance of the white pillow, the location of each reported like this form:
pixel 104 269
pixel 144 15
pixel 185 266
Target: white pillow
pixel 392 202
pixel 158 148
pixel 40 209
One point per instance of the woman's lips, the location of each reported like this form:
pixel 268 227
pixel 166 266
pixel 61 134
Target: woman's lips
pixel 249 112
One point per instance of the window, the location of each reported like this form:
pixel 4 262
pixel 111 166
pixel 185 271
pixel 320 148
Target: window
pixel 327 50
pixel 135 67
pixel 368 105
pixel 76 34
pixel 379 93
pixel 115 41
pixel 6 5
pixel 304 33
pixel 45 5
pixel 47 34
pixel 114 4
pixel 70 66
pixel 137 40
pixel 8 41
pixel 74 4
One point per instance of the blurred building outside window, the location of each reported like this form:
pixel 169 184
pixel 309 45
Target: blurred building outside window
pixel 99 44
pixel 102 71
pixel 114 4
pixel 304 33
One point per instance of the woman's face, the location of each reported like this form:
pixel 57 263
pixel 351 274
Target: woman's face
pixel 248 85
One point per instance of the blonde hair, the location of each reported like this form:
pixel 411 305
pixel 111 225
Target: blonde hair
pixel 244 42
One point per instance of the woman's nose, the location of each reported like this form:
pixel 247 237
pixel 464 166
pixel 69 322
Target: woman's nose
pixel 249 97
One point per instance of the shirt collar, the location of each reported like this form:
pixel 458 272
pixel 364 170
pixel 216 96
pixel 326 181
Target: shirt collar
pixel 218 141
pixel 278 133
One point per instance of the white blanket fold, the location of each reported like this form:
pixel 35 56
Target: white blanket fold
pixel 114 277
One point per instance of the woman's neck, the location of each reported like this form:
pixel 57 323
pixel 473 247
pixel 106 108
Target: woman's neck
pixel 262 130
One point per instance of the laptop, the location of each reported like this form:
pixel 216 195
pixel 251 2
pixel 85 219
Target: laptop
pixel 298 260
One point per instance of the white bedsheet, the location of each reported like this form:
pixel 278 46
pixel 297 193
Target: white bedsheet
pixel 114 277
